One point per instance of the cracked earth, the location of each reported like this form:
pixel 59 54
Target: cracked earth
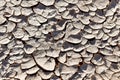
pixel 59 39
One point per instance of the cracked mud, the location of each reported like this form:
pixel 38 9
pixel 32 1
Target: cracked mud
pixel 59 39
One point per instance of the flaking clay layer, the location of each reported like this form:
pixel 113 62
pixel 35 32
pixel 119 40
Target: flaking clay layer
pixel 59 39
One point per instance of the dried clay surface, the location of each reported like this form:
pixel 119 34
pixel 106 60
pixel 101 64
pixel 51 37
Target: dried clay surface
pixel 59 39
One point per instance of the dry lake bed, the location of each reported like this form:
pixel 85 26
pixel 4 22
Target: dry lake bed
pixel 59 39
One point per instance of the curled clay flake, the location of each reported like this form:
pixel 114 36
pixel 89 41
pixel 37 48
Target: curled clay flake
pixel 32 70
pixel 47 2
pixel 2 19
pixel 33 21
pixel 14 19
pixel 81 5
pixel 29 50
pixel 112 58
pixel 98 19
pixel 2 29
pixel 10 26
pixel 100 69
pixel 89 36
pixel 97 59
pixel 16 2
pixel 53 53
pixel 74 39
pixel 101 4
pixel 45 74
pixel 2 3
pixel 78 25
pixel 19 33
pixel 92 49
pixel 21 76
pixel 28 64
pixel 4 41
pixel 96 26
pixel 45 62
pixel 41 19
pixel 71 1
pixel 84 19
pixel 114 33
pixel 28 3
pixel 26 12
pixel 87 68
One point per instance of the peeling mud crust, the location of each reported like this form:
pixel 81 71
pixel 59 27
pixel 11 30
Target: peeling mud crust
pixel 59 39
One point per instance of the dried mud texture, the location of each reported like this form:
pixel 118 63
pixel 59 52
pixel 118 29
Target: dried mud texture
pixel 59 39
